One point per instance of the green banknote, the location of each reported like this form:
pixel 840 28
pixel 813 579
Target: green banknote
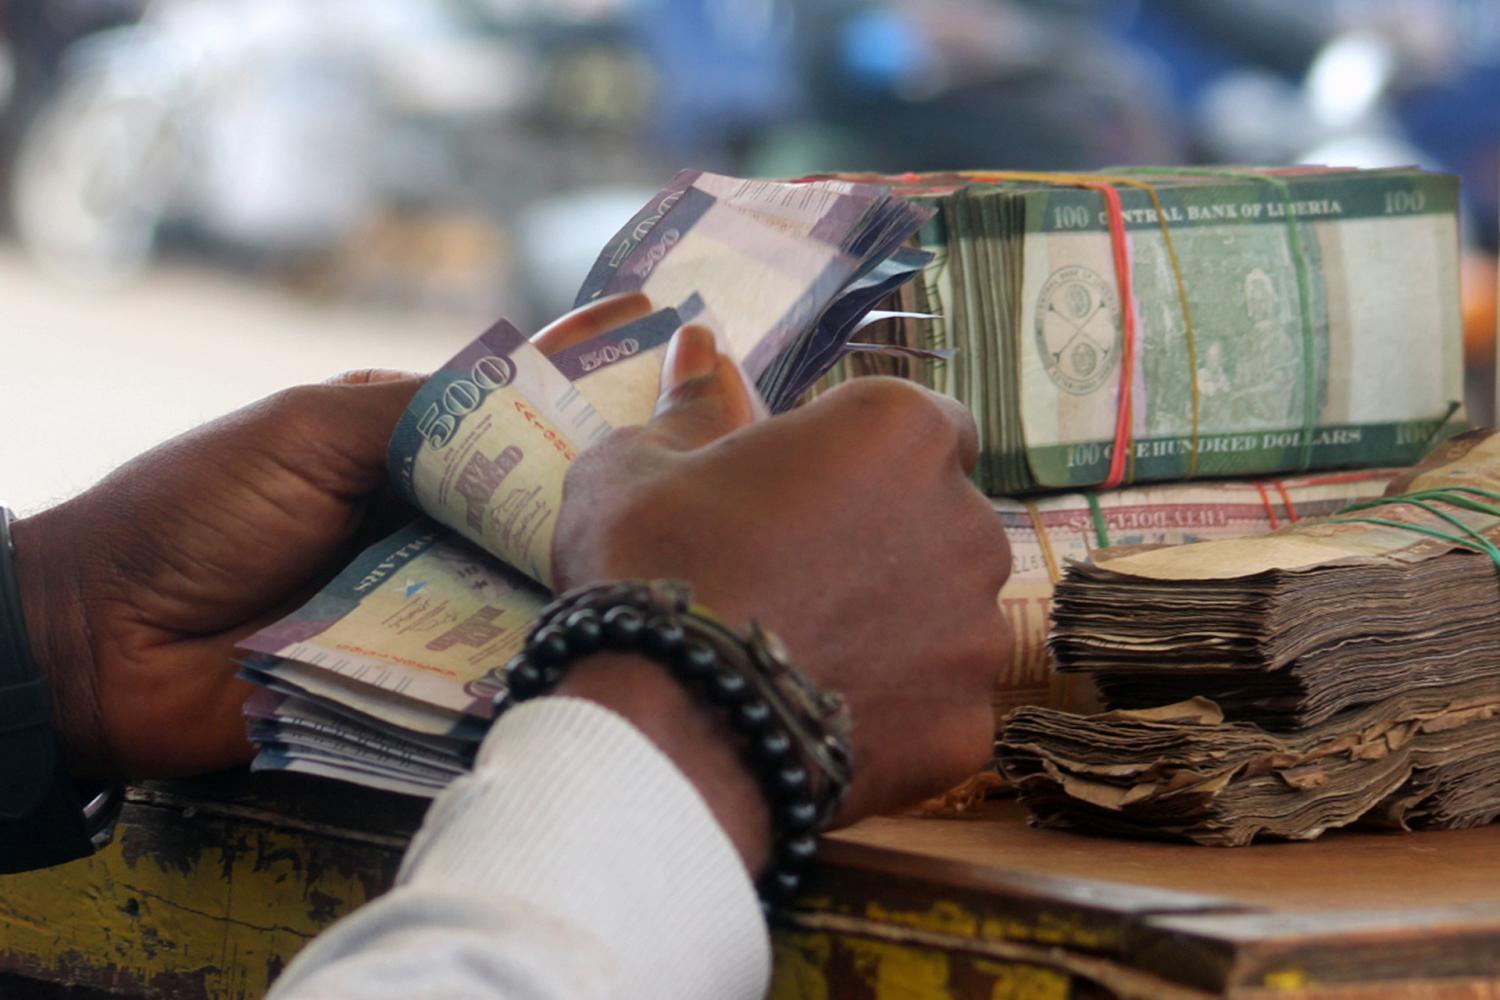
pixel 1320 326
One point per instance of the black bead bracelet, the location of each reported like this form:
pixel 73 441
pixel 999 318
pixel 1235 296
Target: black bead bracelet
pixel 794 737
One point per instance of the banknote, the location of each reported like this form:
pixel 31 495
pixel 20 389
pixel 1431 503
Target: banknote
pixel 1047 534
pixel 388 676
pixel 1290 629
pixel 485 445
pixel 766 258
pixel 421 614
pixel 1283 320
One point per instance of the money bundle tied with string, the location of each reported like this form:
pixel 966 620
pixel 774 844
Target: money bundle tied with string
pixel 1336 672
pixel 388 676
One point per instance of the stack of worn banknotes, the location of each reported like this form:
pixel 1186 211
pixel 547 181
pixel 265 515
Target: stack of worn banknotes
pixel 1307 648
pixel 1153 358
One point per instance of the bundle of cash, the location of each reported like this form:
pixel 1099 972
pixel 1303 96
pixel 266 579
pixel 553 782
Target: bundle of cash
pixel 1048 533
pixel 1167 324
pixel 1418 760
pixel 1320 644
pixel 388 677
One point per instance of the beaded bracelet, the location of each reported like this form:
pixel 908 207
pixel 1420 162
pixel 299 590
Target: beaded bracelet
pixel 795 738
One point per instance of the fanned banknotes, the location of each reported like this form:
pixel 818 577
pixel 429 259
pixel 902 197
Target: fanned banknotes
pixel 1157 324
pixel 1330 672
pixel 389 675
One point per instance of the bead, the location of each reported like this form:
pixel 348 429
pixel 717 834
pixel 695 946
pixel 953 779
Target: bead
pixel 622 626
pixel 523 679
pixel 697 660
pixel 754 715
pixel 797 851
pixel 792 779
pixel 662 636
pixel 729 687
pixel 549 645
pixel 782 884
pixel 799 815
pixel 585 634
pixel 773 745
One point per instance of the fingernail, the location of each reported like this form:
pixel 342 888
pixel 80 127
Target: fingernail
pixel 691 354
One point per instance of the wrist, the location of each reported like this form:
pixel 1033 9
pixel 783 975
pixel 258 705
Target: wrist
pixel 53 604
pixel 696 738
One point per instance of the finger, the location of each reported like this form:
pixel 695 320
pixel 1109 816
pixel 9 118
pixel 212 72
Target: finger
pixel 336 434
pixel 365 376
pixel 893 406
pixel 588 322
pixel 705 395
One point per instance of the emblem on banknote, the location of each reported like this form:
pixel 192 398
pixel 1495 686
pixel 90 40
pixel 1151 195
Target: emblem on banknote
pixel 1078 329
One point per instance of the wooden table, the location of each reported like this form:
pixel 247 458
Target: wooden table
pixel 211 887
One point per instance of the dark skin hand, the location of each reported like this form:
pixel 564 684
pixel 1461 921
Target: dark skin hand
pixel 849 527
pixel 137 591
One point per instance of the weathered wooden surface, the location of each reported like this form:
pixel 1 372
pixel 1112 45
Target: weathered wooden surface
pixel 206 891
pixel 211 888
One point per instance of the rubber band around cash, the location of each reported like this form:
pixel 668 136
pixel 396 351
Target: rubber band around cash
pixel 1265 501
pixel 1424 500
pixel 1299 266
pixel 1122 455
pixel 1101 526
pixel 1054 571
pixel 1286 501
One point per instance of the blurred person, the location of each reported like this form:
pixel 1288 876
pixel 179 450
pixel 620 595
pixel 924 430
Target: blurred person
pixel 606 841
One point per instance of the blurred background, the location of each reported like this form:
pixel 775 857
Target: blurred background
pixel 207 200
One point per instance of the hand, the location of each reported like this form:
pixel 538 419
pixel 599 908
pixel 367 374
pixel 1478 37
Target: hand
pixel 137 591
pixel 849 527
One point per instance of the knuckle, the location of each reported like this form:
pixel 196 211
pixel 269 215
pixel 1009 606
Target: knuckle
pixel 904 408
pixel 295 409
pixel 355 376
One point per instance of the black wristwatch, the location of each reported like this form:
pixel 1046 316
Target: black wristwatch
pixel 45 818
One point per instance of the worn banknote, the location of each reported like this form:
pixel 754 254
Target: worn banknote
pixel 1049 533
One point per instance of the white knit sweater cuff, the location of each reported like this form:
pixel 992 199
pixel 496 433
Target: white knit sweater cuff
pixel 573 811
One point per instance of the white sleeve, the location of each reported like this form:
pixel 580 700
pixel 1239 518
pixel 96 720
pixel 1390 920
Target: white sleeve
pixel 575 862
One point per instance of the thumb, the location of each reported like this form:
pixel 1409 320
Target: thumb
pixel 704 394
pixel 351 417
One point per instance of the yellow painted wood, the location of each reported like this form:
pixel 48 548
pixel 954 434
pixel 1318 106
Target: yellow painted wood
pixel 185 916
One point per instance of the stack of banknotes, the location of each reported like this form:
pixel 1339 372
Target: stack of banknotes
pixel 1245 322
pixel 1049 533
pixel 388 676
pixel 1333 672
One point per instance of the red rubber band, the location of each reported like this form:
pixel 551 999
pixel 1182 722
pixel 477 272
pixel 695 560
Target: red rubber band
pixel 1286 500
pixel 1119 459
pixel 1265 499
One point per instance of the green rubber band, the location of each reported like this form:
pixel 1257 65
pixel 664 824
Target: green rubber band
pixel 1101 527
pixel 1424 500
pixel 1304 283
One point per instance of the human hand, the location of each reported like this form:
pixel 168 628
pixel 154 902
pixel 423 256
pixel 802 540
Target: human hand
pixel 137 591
pixel 849 527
